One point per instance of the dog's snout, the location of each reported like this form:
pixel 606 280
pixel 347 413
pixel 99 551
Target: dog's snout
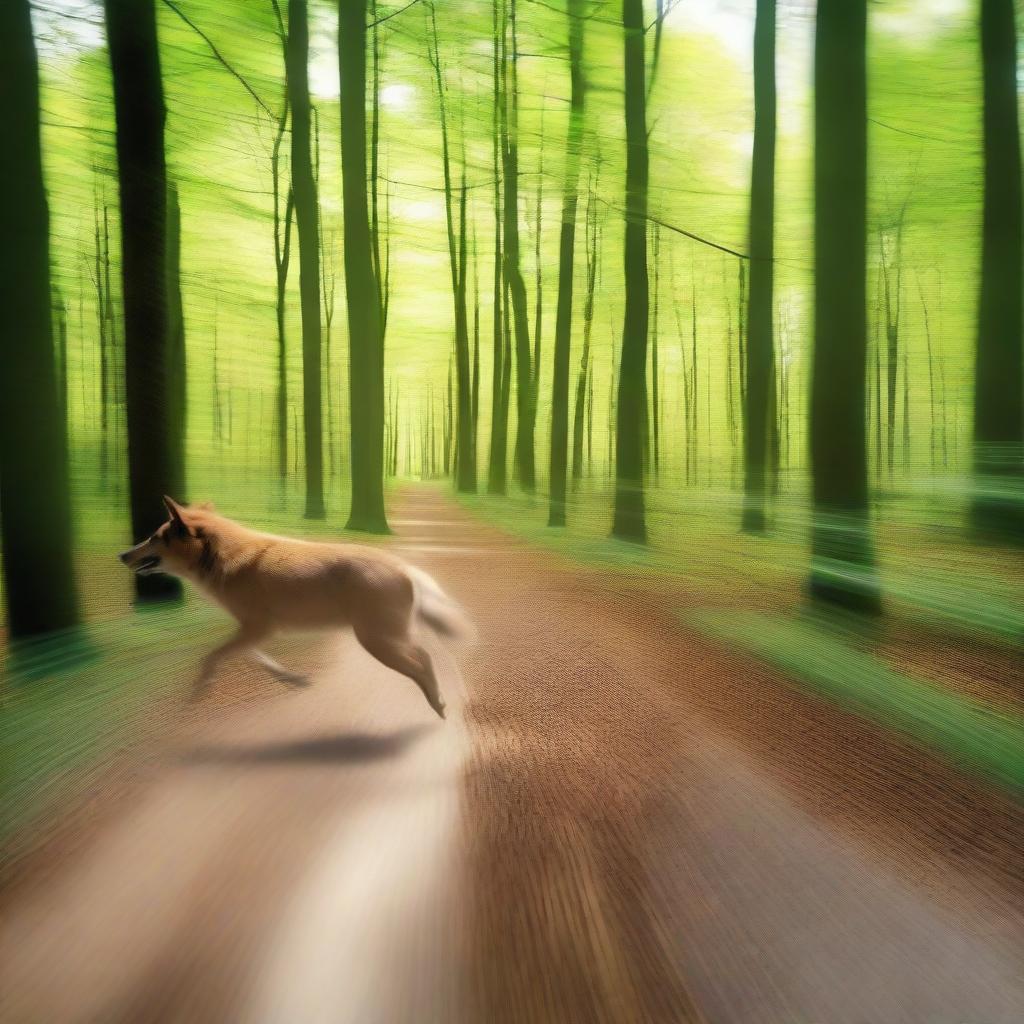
pixel 124 556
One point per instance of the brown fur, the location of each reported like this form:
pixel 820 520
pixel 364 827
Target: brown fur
pixel 271 584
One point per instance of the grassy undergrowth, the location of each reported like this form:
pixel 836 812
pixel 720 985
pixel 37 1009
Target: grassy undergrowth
pixel 819 659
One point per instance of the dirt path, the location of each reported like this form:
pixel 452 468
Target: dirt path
pixel 619 822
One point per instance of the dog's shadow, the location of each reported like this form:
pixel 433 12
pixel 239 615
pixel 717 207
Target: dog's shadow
pixel 348 748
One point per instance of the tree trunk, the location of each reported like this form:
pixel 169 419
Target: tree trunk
pixel 457 253
pixel 307 225
pixel 932 448
pixel 588 324
pixel 497 462
pixel 760 343
pixel 890 267
pixel 655 369
pixel 366 376
pixel 35 504
pixel 999 364
pixel 842 570
pixel 566 261
pixel 282 260
pixel 177 409
pixel 476 344
pixel 629 520
pixel 524 453
pixel 139 113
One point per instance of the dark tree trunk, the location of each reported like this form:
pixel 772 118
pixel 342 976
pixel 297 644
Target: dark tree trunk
pixel 497 462
pixel 524 447
pixel 457 262
pixel 177 408
pixel 366 377
pixel 999 365
pixel 566 261
pixel 476 344
pixel 629 520
pixel 760 343
pixel 307 224
pixel 538 302
pixel 585 364
pixel 139 112
pixel 60 310
pixel 101 327
pixel 655 369
pixel 932 448
pixel 35 505
pixel 842 569
pixel 891 270
pixel 282 261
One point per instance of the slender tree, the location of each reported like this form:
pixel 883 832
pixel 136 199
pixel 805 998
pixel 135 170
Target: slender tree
pixel 842 551
pixel 35 505
pixel 498 458
pixel 282 254
pixel 366 360
pixel 566 263
pixel 525 408
pixel 998 505
pixel 890 255
pixel 307 222
pixel 629 520
pixel 760 343
pixel 476 343
pixel 586 366
pixel 177 408
pixel 932 447
pixel 457 261
pixel 139 113
pixel 655 432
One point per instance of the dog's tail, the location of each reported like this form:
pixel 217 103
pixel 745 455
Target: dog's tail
pixel 433 607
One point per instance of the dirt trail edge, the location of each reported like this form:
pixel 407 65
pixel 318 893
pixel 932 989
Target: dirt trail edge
pixel 619 822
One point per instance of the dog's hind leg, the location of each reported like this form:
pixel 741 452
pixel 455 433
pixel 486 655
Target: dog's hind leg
pixel 278 671
pixel 246 638
pixel 407 657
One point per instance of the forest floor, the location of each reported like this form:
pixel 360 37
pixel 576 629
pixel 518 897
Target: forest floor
pixel 623 819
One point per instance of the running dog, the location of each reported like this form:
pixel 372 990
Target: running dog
pixel 271 584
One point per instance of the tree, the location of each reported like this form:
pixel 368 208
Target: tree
pixel 629 521
pixel 999 362
pixel 366 344
pixel 307 222
pixel 525 406
pixel 760 369
pixel 282 257
pixel 142 174
pixel 35 503
pixel 457 261
pixel 585 377
pixel 176 380
pixel 498 457
pixel 566 261
pixel 843 571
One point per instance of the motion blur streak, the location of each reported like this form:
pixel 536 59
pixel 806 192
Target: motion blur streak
pixel 360 940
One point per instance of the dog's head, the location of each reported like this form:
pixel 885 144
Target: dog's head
pixel 179 547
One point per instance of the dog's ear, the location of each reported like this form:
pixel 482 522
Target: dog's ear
pixel 174 510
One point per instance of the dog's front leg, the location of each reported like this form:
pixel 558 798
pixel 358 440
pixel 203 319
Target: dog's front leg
pixel 246 638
